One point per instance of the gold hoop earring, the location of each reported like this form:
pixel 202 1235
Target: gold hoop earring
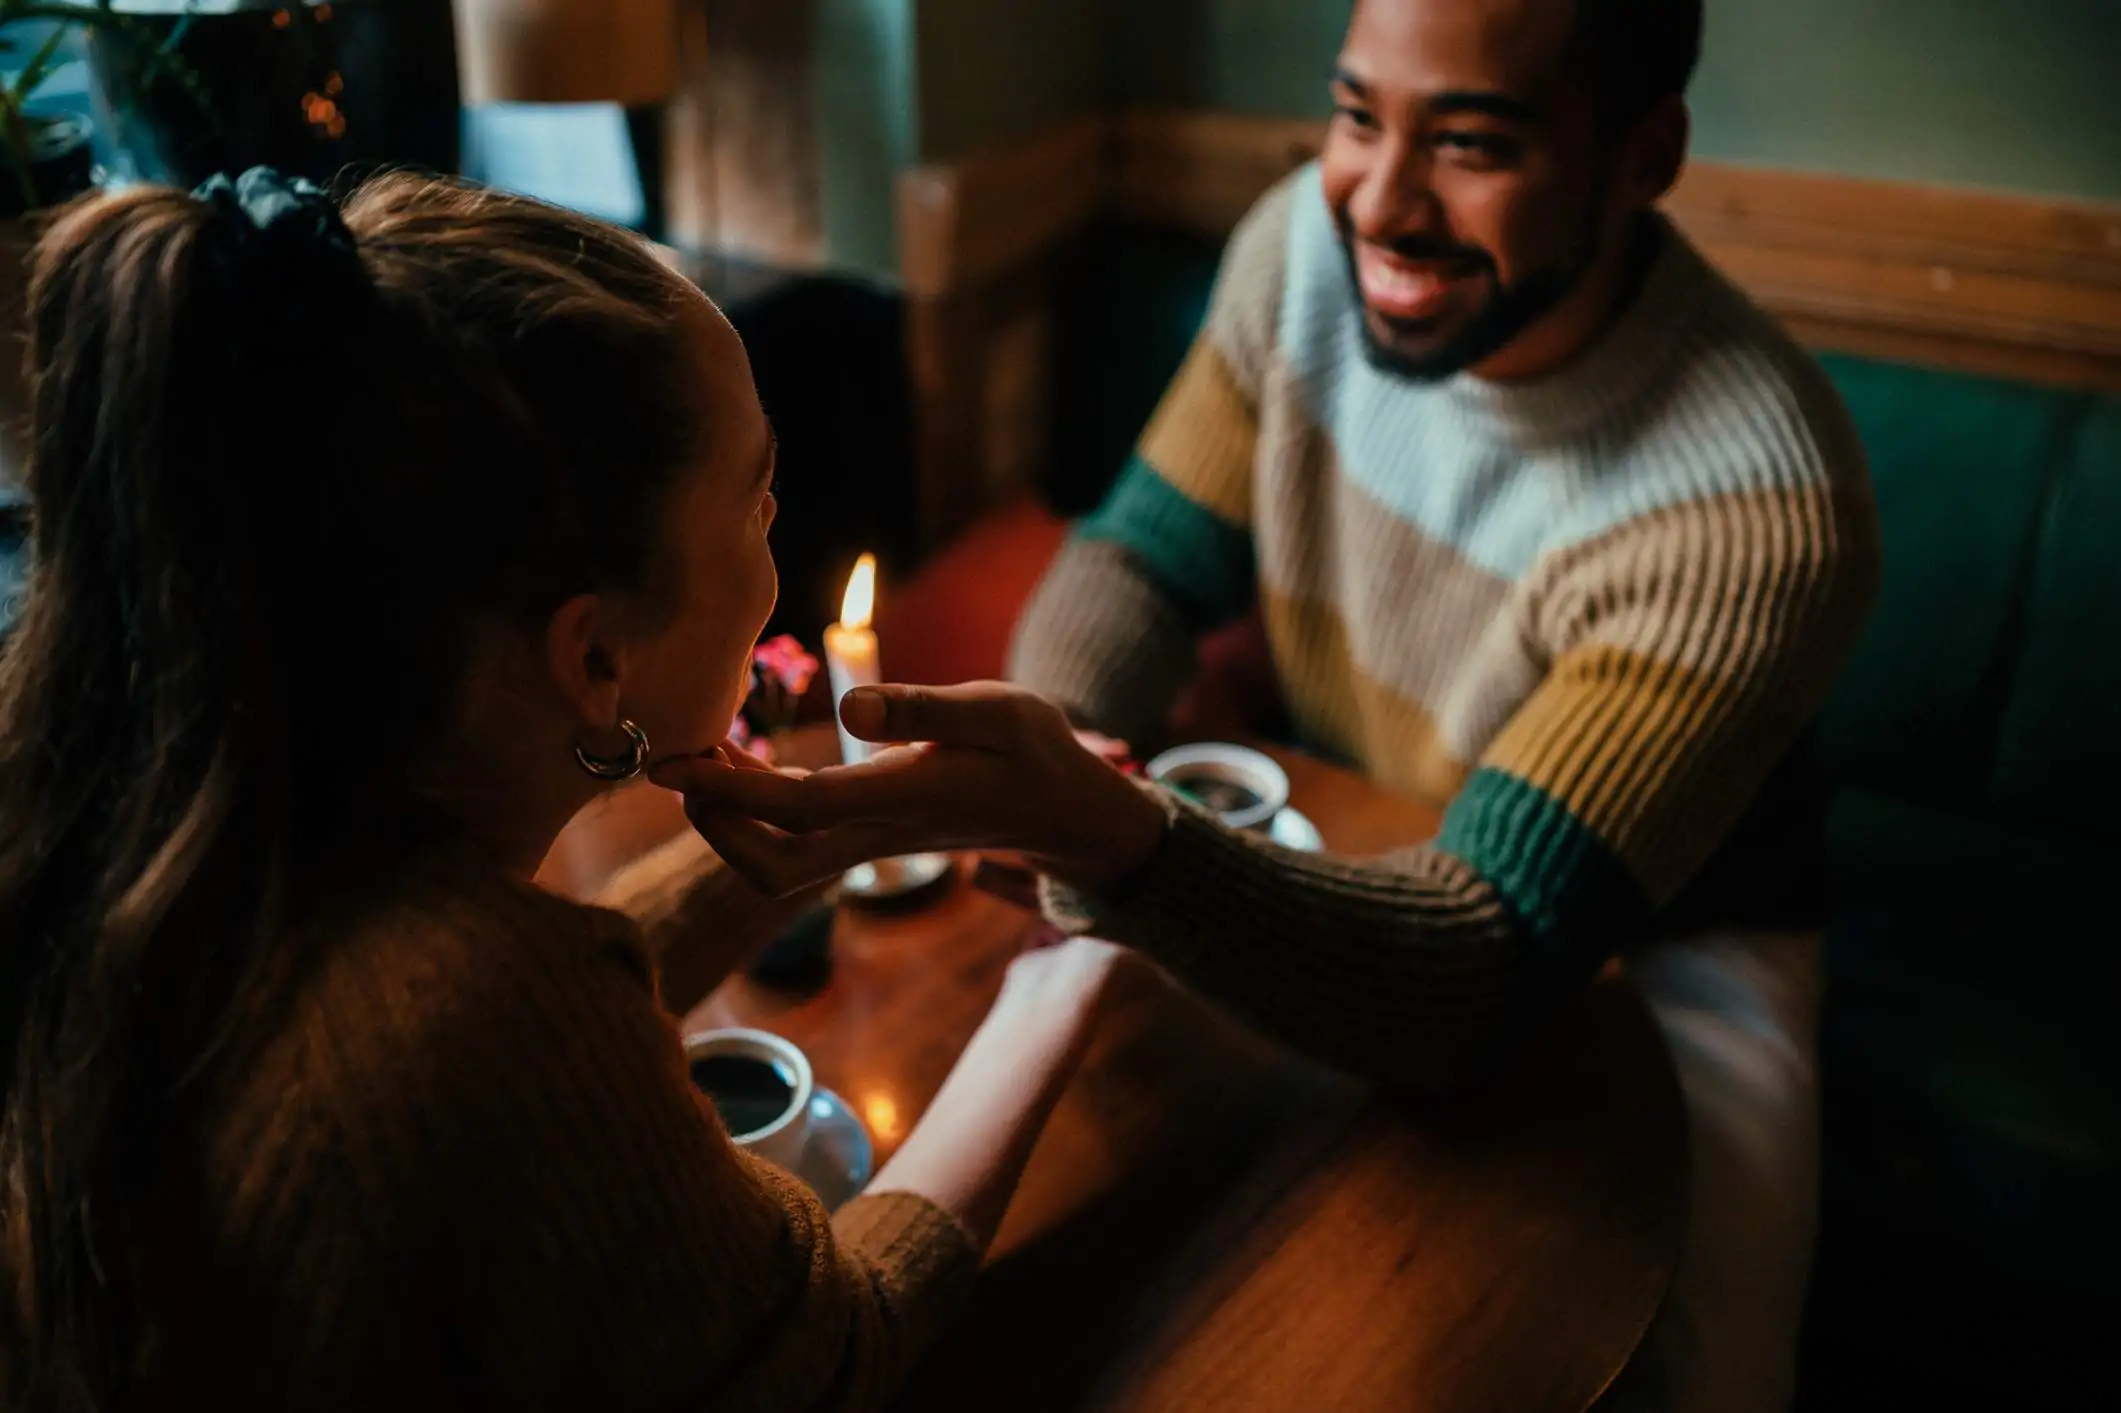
pixel 623 767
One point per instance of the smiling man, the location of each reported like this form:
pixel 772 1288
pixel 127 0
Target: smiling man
pixel 1548 523
pixel 1484 227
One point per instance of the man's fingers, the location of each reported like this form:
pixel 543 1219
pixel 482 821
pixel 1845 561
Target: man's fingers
pixel 899 786
pixel 992 716
pixel 797 804
pixel 770 861
pixel 684 773
pixel 779 864
pixel 744 760
pixel 687 774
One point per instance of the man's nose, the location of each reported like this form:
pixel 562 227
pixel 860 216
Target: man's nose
pixel 1396 196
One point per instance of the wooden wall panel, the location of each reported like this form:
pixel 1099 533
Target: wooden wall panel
pixel 1202 171
pixel 2016 285
pixel 964 223
pixel 982 368
pixel 982 247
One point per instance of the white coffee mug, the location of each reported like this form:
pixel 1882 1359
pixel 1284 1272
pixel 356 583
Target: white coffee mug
pixel 1220 762
pixel 781 1139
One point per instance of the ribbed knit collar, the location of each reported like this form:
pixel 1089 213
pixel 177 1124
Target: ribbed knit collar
pixel 1605 377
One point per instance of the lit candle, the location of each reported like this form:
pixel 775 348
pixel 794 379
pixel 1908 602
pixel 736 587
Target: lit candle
pixel 850 649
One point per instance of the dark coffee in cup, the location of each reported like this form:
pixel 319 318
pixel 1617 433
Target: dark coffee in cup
pixel 1236 784
pixel 1213 791
pixel 760 1085
pixel 749 1092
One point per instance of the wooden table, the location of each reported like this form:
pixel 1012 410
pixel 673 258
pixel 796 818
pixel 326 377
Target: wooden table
pixel 1213 1223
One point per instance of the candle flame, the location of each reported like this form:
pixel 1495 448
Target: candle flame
pixel 882 1113
pixel 859 604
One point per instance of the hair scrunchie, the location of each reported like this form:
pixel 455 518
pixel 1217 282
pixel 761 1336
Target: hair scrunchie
pixel 282 251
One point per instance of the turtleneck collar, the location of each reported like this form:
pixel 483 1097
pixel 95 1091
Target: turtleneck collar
pixel 1608 373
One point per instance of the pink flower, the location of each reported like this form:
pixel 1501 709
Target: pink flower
pixel 780 673
pixel 784 658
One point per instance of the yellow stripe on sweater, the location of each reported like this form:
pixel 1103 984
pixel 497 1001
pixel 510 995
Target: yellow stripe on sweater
pixel 1614 736
pixel 1203 435
pixel 1703 636
pixel 1341 708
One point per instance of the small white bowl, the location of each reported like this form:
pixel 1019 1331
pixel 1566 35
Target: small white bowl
pixel 1234 765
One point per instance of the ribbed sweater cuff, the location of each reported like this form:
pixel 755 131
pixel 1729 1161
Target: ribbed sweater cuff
pixel 922 1253
pixel 1078 913
pixel 1400 970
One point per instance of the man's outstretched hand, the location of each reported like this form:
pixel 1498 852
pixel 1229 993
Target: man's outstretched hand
pixel 994 768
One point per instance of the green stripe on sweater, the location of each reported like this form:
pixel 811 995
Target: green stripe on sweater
pixel 1198 558
pixel 1575 901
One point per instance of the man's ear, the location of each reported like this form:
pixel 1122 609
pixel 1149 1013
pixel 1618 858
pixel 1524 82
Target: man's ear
pixel 1655 152
pixel 587 659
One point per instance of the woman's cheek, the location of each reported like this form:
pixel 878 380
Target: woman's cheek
pixel 768 578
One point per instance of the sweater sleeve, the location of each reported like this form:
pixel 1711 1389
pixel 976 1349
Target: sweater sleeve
pixel 617 1251
pixel 1689 647
pixel 1110 633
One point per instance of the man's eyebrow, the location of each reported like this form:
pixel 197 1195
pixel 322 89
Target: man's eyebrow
pixel 1485 102
pixel 1350 81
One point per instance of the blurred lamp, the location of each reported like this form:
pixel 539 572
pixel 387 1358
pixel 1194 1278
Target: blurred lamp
pixel 567 51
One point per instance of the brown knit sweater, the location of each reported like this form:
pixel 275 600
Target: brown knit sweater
pixel 467 1168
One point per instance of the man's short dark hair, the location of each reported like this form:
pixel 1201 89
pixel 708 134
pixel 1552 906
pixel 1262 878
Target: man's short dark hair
pixel 1640 52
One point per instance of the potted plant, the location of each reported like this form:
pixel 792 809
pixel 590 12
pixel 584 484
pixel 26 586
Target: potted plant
pixel 316 88
pixel 46 158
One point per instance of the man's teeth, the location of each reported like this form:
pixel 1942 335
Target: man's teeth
pixel 1388 280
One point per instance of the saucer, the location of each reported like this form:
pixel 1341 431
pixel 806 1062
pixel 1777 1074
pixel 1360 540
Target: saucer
pixel 838 1160
pixel 1292 831
pixel 895 878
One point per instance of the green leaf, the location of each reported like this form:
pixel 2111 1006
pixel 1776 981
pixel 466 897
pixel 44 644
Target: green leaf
pixel 14 137
pixel 154 52
pixel 39 68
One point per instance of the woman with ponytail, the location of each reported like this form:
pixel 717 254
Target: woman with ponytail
pixel 369 542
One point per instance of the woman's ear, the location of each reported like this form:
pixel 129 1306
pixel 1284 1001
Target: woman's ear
pixel 587 659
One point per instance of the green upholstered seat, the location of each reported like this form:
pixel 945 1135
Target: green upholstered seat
pixel 1972 1073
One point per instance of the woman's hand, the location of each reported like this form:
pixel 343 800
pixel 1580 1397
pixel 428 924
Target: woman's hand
pixel 1066 978
pixel 968 1150
pixel 1051 994
pixel 996 768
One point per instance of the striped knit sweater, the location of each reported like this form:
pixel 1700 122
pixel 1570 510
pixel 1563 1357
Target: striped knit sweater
pixel 1591 612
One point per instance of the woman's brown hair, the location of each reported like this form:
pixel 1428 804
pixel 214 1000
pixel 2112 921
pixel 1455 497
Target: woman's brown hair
pixel 287 456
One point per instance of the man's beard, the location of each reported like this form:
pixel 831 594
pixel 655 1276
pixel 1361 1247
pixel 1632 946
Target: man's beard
pixel 1508 311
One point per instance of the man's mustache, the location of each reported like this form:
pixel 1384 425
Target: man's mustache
pixel 1434 251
